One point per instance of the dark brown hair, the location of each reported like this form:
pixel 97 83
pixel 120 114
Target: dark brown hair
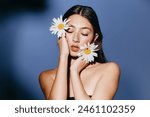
pixel 89 14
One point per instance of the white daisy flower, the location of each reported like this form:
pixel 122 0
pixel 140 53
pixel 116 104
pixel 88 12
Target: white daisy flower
pixel 59 26
pixel 88 53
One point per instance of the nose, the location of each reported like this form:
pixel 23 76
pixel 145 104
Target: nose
pixel 76 38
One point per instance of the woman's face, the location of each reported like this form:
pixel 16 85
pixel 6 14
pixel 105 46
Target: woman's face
pixel 80 31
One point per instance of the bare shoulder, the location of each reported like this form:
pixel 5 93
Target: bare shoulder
pixel 107 85
pixel 109 67
pixel 46 79
pixel 47 74
pixel 110 70
pixel 112 67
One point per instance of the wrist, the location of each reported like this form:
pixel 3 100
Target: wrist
pixel 64 55
pixel 63 59
pixel 74 70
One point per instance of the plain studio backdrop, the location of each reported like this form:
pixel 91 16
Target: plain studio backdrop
pixel 27 47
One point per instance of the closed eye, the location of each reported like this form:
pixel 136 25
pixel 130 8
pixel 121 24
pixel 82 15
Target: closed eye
pixel 84 34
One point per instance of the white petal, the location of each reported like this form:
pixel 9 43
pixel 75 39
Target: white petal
pixel 60 33
pixel 90 58
pixel 54 20
pixel 61 17
pixel 94 54
pixel 79 54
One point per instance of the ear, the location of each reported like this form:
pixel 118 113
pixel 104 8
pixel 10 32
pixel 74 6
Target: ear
pixel 96 36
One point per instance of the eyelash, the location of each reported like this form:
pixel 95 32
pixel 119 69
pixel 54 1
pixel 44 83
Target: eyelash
pixel 84 34
pixel 68 31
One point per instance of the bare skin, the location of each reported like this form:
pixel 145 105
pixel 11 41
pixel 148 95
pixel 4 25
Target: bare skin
pixel 102 88
pixel 100 80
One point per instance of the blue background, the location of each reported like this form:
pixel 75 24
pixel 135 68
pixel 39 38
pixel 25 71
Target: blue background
pixel 27 47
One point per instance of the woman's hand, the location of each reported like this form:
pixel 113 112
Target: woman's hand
pixel 63 45
pixel 78 65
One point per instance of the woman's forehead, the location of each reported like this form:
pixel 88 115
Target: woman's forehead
pixel 78 21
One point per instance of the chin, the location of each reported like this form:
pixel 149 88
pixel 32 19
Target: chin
pixel 73 54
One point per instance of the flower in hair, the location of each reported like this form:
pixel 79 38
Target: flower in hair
pixel 88 52
pixel 59 26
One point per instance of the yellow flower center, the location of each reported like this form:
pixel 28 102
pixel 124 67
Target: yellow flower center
pixel 87 51
pixel 60 26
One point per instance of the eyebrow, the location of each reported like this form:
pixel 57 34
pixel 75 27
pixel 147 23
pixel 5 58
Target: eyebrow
pixel 86 28
pixel 81 28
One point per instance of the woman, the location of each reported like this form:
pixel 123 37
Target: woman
pixel 74 78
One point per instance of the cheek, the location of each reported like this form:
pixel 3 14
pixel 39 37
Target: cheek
pixel 67 35
pixel 86 39
pixel 69 38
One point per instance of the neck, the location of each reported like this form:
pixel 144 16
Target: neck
pixel 72 59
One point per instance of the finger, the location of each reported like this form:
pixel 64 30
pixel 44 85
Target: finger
pixel 63 35
pixel 81 61
pixel 84 62
pixel 59 39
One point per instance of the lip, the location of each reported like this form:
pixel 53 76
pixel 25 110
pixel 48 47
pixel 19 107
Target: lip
pixel 75 48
